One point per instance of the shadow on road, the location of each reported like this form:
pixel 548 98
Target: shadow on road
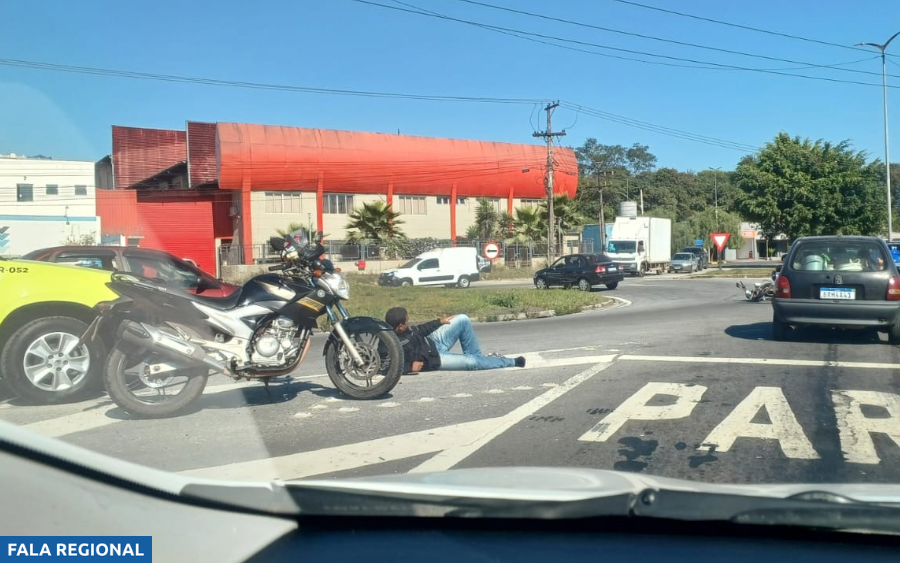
pixel 824 335
pixel 251 396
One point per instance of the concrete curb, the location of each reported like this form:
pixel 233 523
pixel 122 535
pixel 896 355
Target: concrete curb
pixel 613 302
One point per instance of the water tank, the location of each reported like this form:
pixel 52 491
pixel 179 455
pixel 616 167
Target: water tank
pixel 628 209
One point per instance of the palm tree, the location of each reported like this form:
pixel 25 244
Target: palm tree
pixel 529 225
pixel 372 223
pixel 472 233
pixel 565 213
pixel 293 227
pixel 486 220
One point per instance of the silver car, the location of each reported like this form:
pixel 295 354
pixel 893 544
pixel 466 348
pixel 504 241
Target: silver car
pixel 684 262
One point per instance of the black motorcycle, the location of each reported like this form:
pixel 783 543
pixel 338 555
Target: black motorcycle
pixel 165 342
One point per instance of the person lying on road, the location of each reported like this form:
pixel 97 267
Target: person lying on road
pixel 427 346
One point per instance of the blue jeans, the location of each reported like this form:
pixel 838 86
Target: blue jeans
pixel 460 330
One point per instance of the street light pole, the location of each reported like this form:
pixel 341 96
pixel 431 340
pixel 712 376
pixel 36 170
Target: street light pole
pixel 887 155
pixel 716 190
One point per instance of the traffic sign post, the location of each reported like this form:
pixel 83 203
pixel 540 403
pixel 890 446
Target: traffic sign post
pixel 720 240
pixel 492 251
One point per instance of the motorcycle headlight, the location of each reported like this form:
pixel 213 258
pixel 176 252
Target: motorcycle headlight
pixel 337 284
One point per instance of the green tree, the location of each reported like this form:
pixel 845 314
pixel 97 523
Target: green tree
pixel 797 187
pixel 291 228
pixel 374 223
pixel 487 221
pixel 565 213
pixel 529 226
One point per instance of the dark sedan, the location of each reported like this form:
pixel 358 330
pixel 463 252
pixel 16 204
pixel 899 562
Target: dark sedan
pixel 838 281
pixel 581 270
pixel 145 262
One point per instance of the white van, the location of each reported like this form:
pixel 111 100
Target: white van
pixel 443 266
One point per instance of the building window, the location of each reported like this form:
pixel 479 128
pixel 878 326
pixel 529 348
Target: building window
pixel 283 202
pixel 80 190
pixel 338 204
pixel 444 200
pixel 529 203
pixel 24 192
pixel 412 205
pixel 52 189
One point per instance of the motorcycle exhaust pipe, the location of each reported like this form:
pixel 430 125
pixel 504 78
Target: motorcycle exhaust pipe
pixel 147 336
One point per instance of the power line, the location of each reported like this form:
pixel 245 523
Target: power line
pixel 666 40
pixel 619 49
pixel 739 26
pixel 257 85
pixel 668 131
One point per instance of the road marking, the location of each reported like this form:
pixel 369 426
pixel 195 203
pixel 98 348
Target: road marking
pixel 388 405
pixel 758 361
pixel 452 456
pixel 462 396
pixel 783 425
pixel 495 391
pixel 855 428
pixel 303 415
pixel 348 409
pixel 350 456
pixel 636 408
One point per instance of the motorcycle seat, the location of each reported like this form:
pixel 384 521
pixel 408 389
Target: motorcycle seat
pixel 222 303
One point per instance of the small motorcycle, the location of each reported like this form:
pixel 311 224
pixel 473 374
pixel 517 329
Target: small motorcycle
pixel 760 291
pixel 165 342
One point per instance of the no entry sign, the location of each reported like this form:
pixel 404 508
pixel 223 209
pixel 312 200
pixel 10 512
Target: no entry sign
pixel 720 240
pixel 491 250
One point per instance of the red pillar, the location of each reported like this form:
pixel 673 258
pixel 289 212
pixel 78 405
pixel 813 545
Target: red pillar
pixel 320 203
pixel 509 200
pixel 246 221
pixel 453 214
pixel 390 194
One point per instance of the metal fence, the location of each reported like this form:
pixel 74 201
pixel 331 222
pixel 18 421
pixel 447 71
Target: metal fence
pixel 515 254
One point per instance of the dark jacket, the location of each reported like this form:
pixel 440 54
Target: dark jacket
pixel 418 348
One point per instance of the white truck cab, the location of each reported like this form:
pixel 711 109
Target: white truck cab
pixel 443 266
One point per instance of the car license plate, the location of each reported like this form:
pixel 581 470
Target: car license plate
pixel 837 293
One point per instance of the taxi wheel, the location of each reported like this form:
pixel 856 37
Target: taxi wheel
pixel 42 364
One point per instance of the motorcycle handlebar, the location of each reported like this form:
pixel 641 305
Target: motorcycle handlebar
pixel 276 267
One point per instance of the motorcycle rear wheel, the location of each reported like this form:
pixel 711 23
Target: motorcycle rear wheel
pixel 383 355
pixel 122 385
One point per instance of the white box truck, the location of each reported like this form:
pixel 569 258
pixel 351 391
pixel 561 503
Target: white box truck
pixel 449 267
pixel 641 244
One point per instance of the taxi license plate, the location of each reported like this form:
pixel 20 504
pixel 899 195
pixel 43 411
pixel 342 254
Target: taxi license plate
pixel 837 293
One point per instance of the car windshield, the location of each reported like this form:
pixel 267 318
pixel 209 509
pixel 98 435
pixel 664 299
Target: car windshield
pixel 839 255
pixel 410 264
pixel 622 246
pixel 500 189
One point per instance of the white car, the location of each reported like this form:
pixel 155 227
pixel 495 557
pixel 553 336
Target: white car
pixel 450 267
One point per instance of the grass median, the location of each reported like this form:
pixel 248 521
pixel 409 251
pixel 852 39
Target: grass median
pixel 713 272
pixel 369 299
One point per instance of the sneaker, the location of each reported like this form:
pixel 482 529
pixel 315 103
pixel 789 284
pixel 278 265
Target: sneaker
pixel 520 362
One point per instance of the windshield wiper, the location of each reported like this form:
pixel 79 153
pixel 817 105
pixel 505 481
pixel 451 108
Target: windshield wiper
pixel 810 510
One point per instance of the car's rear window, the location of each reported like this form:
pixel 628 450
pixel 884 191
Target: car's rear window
pixel 845 256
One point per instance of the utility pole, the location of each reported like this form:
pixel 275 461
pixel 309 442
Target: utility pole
pixel 549 134
pixel 887 155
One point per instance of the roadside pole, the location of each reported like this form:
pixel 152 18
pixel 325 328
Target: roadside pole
pixel 549 134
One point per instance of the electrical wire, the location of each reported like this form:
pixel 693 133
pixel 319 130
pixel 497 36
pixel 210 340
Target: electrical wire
pixel 666 40
pixel 257 85
pixel 716 66
pixel 739 26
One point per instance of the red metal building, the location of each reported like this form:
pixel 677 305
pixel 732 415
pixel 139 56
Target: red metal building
pixel 195 186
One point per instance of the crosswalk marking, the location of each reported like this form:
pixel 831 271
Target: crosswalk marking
pixel 758 361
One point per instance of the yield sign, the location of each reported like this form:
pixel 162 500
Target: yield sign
pixel 720 240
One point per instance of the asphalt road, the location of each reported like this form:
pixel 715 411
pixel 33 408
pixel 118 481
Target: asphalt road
pixel 684 382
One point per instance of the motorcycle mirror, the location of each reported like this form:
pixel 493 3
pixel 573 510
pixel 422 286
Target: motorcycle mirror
pixel 277 243
pixel 737 285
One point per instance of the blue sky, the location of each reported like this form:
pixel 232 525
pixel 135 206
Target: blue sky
pixel 344 44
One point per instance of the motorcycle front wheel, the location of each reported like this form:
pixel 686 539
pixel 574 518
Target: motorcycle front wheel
pixel 135 389
pixel 382 367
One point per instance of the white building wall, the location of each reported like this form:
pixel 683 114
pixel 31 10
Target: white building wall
pixel 60 204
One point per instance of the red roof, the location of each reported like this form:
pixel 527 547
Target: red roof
pixel 295 158
pixel 139 154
